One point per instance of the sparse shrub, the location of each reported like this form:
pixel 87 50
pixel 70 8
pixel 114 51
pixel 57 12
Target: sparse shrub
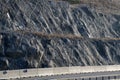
pixel 73 1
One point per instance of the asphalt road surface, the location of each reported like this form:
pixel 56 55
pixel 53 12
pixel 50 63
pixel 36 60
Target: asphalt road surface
pixel 115 75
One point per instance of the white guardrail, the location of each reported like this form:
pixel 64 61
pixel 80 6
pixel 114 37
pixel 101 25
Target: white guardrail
pixel 12 74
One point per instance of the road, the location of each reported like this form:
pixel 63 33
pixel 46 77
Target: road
pixel 85 75
pixel 113 75
pixel 63 72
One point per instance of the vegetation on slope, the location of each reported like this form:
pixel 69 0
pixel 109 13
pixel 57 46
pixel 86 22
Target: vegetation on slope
pixel 99 3
pixel 107 6
pixel 73 1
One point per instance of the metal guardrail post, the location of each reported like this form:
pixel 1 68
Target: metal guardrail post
pixel 19 75
pixel 37 72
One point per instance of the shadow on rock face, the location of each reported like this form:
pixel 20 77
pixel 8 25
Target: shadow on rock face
pixel 3 65
pixel 14 53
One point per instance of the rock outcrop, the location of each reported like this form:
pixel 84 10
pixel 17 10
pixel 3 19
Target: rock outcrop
pixel 20 50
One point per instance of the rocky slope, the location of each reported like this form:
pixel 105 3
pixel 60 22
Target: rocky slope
pixel 28 50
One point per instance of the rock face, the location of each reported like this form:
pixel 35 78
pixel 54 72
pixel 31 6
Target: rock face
pixel 18 50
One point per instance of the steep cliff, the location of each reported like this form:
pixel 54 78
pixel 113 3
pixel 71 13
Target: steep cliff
pixel 42 33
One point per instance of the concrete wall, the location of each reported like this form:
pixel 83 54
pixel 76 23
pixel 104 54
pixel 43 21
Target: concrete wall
pixel 9 74
pixel 45 71
pixel 28 72
pixel 55 71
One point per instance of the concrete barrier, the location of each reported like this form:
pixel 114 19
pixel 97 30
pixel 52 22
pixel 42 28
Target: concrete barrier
pixel 76 69
pixel 8 74
pixel 61 70
pixel 45 71
pixel 113 68
pixel 87 69
pixel 100 68
pixel 28 72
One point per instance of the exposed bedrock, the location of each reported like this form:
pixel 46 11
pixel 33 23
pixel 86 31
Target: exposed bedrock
pixel 19 50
